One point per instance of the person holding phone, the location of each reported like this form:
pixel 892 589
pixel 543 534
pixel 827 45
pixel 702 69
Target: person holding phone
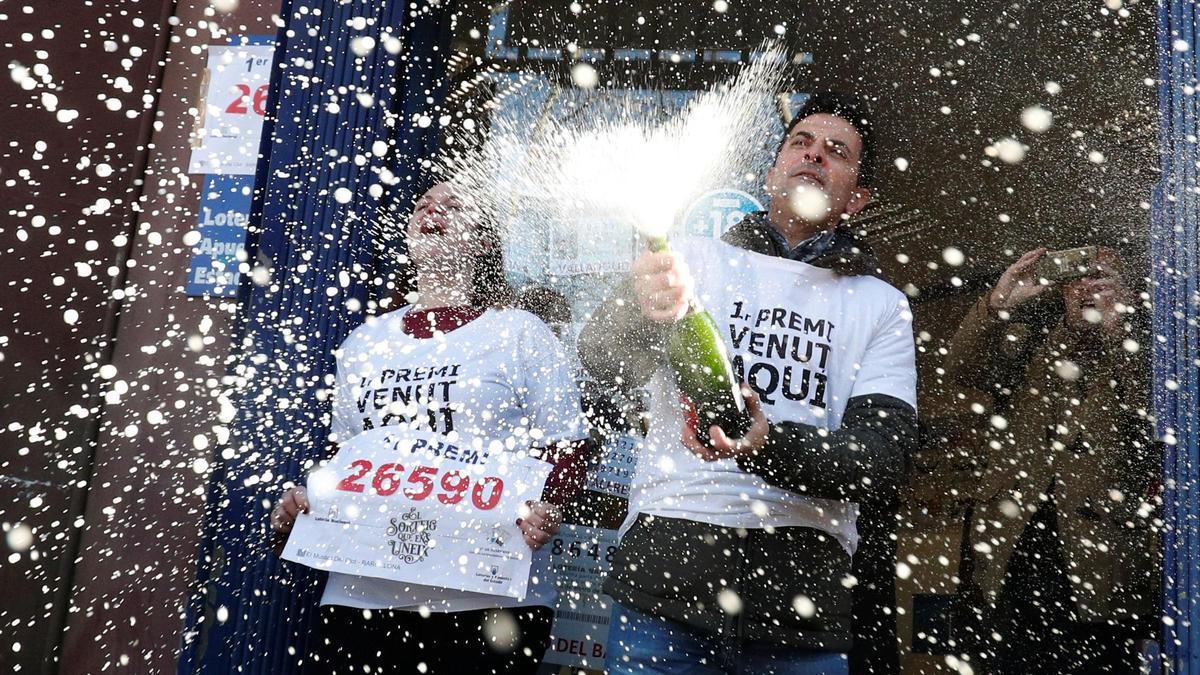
pixel 1062 538
pixel 489 373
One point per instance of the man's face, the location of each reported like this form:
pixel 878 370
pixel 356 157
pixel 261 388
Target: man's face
pixel 821 152
pixel 1092 301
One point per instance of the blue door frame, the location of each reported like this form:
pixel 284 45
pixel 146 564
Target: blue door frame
pixel 250 614
pixel 1176 309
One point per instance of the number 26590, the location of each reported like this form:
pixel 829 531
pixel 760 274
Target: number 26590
pixel 450 487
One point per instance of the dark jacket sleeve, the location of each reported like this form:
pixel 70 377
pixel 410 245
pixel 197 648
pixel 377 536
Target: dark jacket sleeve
pixel 987 352
pixel 618 346
pixel 864 460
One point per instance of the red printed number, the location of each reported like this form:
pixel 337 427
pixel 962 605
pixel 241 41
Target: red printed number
pixel 494 487
pixel 485 494
pixel 420 476
pixel 259 103
pixel 387 479
pixel 454 486
pixel 350 483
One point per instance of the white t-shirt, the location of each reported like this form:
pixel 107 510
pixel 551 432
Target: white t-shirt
pixel 502 378
pixel 806 340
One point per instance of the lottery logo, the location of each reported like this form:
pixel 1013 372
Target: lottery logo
pixel 499 536
pixel 715 212
pixel 410 536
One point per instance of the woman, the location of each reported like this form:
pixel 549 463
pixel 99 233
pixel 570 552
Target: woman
pixel 503 377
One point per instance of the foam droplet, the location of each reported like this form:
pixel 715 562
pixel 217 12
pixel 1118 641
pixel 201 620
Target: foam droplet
pixel 20 538
pixel 953 256
pixel 730 601
pixel 501 632
pixel 1037 119
pixel 584 76
pixel 810 203
pixel 1010 150
pixel 804 606
pixel 362 45
pixel 1068 370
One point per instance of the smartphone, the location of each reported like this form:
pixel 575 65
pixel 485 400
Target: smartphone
pixel 1066 265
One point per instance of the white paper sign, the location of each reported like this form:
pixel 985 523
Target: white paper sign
pixel 580 557
pixel 614 470
pixel 234 103
pixel 411 506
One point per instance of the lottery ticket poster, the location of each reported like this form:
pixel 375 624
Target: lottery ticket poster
pixel 580 557
pixel 613 472
pixel 230 119
pixel 413 507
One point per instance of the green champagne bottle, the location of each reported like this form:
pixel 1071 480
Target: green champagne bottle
pixel 697 356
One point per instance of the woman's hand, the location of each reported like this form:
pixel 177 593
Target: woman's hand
pixel 540 523
pixel 288 508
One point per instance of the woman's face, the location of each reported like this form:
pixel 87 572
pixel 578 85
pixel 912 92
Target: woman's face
pixel 441 230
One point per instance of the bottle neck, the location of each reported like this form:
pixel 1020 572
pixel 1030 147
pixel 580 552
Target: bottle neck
pixel 658 245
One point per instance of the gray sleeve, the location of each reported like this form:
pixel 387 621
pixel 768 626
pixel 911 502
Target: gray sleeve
pixel 618 346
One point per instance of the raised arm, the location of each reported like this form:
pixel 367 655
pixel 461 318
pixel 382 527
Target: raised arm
pixel 622 344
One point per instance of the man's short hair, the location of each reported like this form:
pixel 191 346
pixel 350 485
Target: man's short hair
pixel 546 304
pixel 854 110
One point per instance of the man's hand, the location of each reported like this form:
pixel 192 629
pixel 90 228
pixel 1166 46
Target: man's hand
pixel 1018 285
pixel 288 508
pixel 539 523
pixel 724 447
pixel 663 285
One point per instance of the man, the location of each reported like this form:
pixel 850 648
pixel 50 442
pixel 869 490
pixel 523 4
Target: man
pixel 1062 540
pixel 736 556
pixel 548 305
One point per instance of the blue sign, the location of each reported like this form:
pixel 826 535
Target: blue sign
pixel 614 471
pixel 223 215
pixel 715 212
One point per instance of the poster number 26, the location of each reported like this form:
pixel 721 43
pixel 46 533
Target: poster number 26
pixel 244 102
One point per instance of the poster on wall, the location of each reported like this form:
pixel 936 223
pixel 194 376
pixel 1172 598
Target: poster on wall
pixel 225 145
pixel 715 212
pixel 231 109
pixel 581 557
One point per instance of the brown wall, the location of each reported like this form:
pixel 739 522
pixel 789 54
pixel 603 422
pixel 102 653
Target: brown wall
pixel 133 508
pixel 45 229
pixel 136 564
